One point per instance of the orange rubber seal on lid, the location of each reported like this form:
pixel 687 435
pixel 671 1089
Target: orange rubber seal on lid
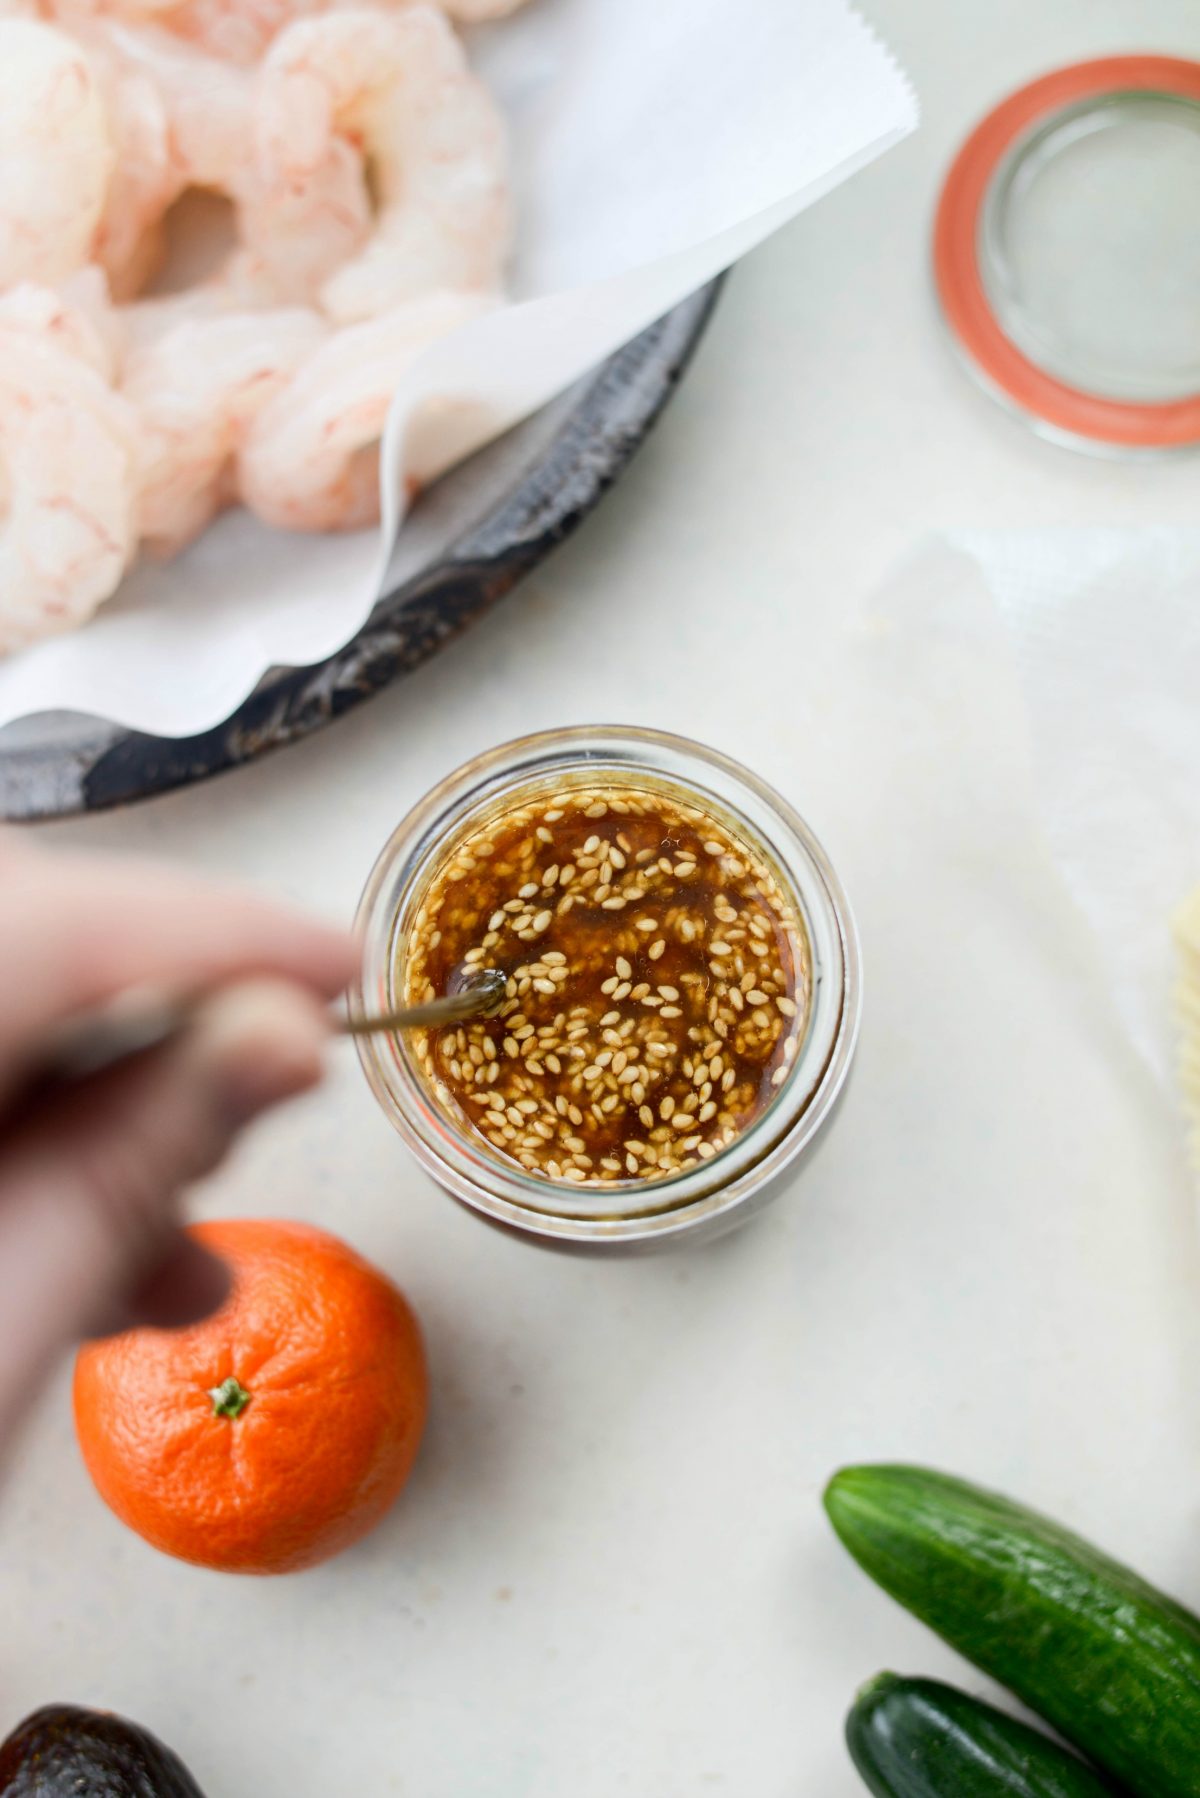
pixel 959 282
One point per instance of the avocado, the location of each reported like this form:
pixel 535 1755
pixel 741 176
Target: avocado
pixel 64 1751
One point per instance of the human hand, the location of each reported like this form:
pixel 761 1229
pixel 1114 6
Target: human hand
pixel 91 1174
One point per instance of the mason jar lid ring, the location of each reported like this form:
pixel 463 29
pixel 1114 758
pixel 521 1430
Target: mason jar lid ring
pixel 1066 409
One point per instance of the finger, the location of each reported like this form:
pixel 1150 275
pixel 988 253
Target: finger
pixel 188 1284
pixel 89 1187
pixel 75 931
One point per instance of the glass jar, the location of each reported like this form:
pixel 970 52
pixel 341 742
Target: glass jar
pixel 705 1200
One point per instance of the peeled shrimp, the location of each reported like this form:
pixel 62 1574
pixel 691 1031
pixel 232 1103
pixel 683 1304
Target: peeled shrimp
pixel 398 85
pixel 310 462
pixel 196 389
pixel 237 31
pixel 301 232
pixel 68 476
pixel 185 121
pixel 177 119
pixel 238 287
pixel 56 153
pixel 129 244
pixel 75 318
pixel 206 103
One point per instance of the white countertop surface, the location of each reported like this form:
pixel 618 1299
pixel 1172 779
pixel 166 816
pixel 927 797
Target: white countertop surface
pixel 610 1573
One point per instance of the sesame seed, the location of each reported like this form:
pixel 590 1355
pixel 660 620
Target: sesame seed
pixel 738 955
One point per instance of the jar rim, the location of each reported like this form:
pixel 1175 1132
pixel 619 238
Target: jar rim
pixel 733 1178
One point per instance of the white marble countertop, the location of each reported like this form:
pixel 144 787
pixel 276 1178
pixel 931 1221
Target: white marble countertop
pixel 611 1573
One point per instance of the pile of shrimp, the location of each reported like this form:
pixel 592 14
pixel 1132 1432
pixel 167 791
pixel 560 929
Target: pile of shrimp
pixel 366 169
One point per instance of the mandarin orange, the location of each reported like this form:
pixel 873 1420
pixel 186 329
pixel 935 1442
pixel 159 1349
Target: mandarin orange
pixel 273 1434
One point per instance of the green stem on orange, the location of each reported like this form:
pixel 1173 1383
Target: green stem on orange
pixel 229 1399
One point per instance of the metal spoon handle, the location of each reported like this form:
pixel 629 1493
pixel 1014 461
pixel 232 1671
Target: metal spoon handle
pixel 472 1002
pixel 143 1021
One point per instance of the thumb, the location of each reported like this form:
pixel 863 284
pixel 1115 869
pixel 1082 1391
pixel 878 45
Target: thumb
pixel 90 1184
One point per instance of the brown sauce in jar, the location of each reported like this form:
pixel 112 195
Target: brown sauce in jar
pixel 658 984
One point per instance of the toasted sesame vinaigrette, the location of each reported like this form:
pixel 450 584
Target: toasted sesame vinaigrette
pixel 659 983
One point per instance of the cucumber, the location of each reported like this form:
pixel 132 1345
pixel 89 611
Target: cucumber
pixel 916 1738
pixel 1112 1664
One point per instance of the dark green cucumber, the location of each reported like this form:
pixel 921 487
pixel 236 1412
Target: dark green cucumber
pixel 916 1738
pixel 1112 1664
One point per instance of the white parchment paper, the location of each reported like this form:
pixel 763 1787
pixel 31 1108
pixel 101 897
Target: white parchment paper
pixel 1100 632
pixel 653 146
